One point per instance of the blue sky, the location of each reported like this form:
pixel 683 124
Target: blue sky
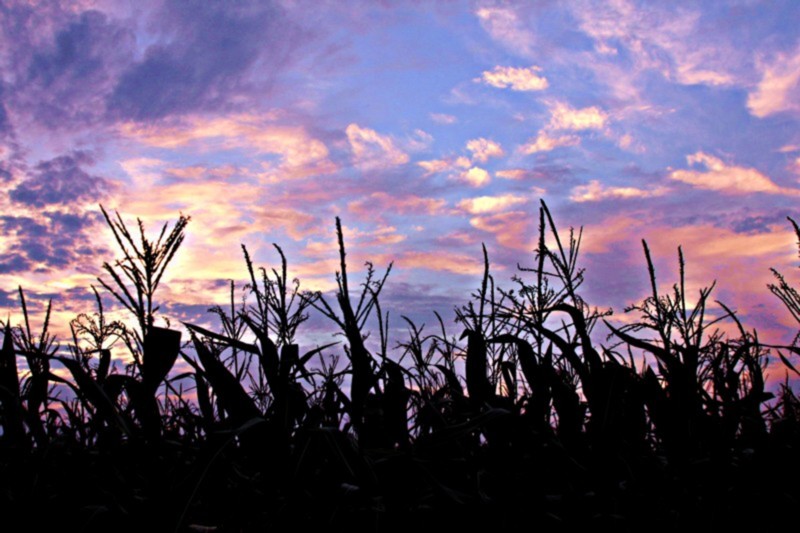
pixel 428 127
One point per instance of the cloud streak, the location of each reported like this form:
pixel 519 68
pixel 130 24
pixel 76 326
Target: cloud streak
pixel 716 175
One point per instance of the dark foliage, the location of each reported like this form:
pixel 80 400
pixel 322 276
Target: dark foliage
pixel 525 417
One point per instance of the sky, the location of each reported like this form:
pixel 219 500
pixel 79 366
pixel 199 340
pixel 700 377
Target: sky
pixel 429 127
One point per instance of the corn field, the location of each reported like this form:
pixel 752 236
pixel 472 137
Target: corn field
pixel 515 414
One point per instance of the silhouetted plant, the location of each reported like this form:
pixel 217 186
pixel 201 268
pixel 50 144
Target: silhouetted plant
pixel 524 416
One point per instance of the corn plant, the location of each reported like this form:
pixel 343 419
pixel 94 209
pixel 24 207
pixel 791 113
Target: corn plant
pixel 154 349
pixel 351 323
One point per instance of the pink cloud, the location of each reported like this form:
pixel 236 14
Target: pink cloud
pixel 512 174
pixel 372 151
pixel 779 87
pixel 512 229
pixel 657 40
pixel 380 201
pixel 440 261
pixel 595 191
pixel 300 154
pixel 545 143
pixel 483 149
pixel 730 179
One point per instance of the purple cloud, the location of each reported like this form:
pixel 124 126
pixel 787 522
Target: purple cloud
pixel 56 240
pixel 61 181
pixel 209 59
pixel 63 71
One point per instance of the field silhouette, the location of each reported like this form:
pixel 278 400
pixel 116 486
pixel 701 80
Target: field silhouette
pixel 517 415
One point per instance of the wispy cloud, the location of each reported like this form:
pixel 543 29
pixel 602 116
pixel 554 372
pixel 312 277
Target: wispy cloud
pixel 513 174
pixel 373 151
pixel 443 118
pixel 512 229
pixel 435 166
pixel 301 154
pixel 543 142
pixel 504 25
pixel 453 263
pixel 382 202
pixel 716 175
pixel 658 38
pixel 779 87
pixel 515 78
pixel 595 191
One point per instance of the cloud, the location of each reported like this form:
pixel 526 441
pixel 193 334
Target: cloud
pixel 512 174
pixel 482 149
pixel 46 241
pixel 301 155
pixel 61 181
pixel 736 260
pixel 475 176
pixel 368 240
pixel 729 179
pixel 442 118
pixel 545 143
pixel 437 166
pixel 419 141
pixel 656 38
pixel 482 205
pixel 205 56
pixel 439 261
pixel 382 202
pixel 512 229
pixel 517 79
pixel 779 88
pixel 373 151
pixel 504 25
pixel 65 70
pixel 595 191
pixel 565 117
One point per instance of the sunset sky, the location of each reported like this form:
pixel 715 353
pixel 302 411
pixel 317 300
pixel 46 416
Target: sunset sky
pixel 428 127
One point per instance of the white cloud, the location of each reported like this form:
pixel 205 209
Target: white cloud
pixel 490 204
pixel 475 176
pixel 595 191
pixel 517 79
pixel 373 151
pixel 716 175
pixel 482 149
pixel 565 117
pixel 779 88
